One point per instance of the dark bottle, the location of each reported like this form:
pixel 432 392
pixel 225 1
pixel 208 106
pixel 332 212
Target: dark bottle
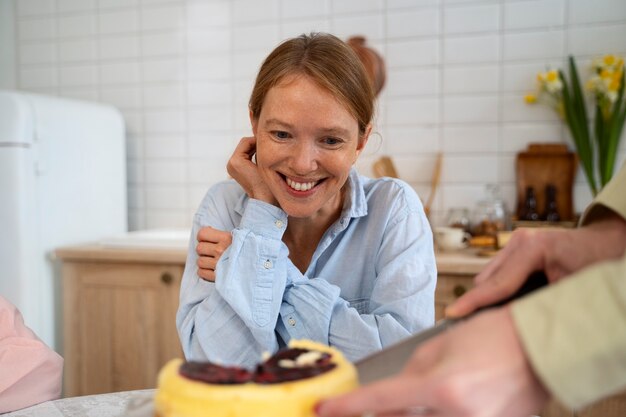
pixel 551 213
pixel 530 206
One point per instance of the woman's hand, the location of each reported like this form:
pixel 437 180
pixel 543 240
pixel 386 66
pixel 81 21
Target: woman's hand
pixel 475 369
pixel 211 245
pixel 558 253
pixel 246 173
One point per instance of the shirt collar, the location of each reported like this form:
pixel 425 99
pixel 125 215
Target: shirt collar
pixel 355 204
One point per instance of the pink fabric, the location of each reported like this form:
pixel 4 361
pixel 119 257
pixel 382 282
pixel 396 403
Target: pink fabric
pixel 30 372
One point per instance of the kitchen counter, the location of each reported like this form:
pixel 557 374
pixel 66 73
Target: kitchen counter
pixel 463 262
pixel 103 253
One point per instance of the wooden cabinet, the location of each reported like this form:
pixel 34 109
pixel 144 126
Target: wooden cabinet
pixel 119 317
pixel 456 271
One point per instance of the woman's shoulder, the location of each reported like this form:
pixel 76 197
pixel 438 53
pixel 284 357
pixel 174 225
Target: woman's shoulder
pixel 388 190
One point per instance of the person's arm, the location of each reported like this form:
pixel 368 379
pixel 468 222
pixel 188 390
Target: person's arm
pixel 566 340
pixel 230 320
pixel 477 368
pixel 31 372
pixel 574 335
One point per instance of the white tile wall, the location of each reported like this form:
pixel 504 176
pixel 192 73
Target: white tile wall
pixel 181 72
pixel 534 14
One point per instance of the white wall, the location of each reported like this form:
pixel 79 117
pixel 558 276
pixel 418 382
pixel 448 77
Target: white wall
pixel 7 45
pixel 181 72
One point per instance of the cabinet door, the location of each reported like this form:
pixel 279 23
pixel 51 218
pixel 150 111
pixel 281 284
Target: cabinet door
pixel 120 325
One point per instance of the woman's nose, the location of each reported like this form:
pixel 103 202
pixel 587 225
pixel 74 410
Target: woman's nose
pixel 304 158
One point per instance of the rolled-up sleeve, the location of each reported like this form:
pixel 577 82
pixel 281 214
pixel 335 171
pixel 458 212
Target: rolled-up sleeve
pixel 232 321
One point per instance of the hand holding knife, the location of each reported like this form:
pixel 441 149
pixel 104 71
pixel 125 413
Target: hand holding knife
pixel 391 360
pixel 472 369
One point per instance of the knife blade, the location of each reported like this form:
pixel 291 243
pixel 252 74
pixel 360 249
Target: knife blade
pixel 392 359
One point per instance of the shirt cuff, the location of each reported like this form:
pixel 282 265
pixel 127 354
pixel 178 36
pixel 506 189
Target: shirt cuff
pixel 264 219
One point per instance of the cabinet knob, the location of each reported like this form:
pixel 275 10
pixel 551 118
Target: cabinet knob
pixel 459 290
pixel 167 278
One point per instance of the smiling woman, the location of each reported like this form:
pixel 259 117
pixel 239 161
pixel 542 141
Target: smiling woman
pixel 299 245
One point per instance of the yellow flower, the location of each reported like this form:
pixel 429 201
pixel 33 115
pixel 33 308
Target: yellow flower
pixel 552 76
pixel 606 73
pixel 530 98
pixel 614 85
pixel 609 60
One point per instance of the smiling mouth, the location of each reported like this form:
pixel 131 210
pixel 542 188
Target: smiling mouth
pixel 300 186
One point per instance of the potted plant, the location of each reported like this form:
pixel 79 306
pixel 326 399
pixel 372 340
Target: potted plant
pixel 596 141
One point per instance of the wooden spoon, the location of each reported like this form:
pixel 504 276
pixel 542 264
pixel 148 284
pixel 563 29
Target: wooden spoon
pixel 434 184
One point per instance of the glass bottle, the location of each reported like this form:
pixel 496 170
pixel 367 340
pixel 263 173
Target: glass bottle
pixel 551 213
pixel 529 212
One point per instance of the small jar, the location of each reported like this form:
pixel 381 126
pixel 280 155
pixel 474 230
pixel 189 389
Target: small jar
pixel 490 215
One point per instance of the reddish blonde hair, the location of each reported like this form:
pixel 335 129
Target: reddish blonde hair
pixel 327 60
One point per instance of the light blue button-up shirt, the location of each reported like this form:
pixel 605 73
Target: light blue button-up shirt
pixel 370 283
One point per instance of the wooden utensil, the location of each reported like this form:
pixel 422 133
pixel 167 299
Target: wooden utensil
pixel 434 183
pixel 384 167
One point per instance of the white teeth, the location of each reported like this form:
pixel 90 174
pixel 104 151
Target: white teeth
pixel 300 186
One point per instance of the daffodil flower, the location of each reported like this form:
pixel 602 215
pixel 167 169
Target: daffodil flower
pixel 600 145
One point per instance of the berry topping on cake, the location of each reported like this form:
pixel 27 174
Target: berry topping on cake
pixel 215 374
pixel 286 365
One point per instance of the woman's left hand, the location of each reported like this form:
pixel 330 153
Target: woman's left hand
pixel 211 245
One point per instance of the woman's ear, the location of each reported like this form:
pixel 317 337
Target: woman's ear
pixel 363 141
pixel 253 121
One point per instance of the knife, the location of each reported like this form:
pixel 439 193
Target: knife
pixel 392 359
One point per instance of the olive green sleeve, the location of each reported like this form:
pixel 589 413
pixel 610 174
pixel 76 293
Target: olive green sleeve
pixel 612 197
pixel 574 334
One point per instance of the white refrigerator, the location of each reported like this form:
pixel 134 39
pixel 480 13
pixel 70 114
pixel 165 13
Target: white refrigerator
pixel 62 182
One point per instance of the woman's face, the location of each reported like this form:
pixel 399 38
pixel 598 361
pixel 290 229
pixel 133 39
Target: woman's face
pixel 306 143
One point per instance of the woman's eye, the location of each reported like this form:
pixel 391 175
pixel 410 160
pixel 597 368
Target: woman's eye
pixel 332 141
pixel 280 134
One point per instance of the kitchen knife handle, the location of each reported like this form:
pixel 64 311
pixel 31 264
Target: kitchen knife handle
pixel 536 280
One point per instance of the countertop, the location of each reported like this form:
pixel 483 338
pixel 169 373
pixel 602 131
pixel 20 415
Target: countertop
pixel 464 261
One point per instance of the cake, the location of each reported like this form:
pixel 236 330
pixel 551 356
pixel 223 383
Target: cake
pixel 288 384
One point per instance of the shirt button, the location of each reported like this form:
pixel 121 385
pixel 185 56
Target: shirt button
pixel 279 223
pixel 267 264
pixel 291 321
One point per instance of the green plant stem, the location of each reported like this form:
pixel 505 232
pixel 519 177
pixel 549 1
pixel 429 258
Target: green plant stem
pixel 613 135
pixel 578 127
